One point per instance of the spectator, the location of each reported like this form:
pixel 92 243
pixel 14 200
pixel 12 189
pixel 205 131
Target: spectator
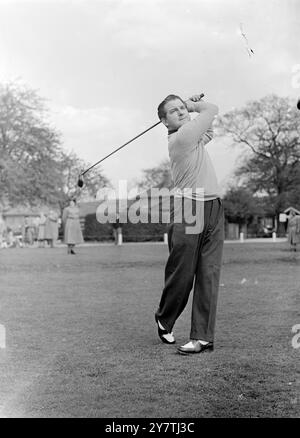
pixel 72 228
pixel 51 228
pixel 41 230
pixel 10 240
pixel 293 230
pixel 27 232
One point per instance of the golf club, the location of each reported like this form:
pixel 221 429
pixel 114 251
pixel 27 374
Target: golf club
pixel 80 178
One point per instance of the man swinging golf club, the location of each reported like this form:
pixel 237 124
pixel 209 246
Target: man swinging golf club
pixel 194 258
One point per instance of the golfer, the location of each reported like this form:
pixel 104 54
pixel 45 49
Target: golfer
pixel 194 258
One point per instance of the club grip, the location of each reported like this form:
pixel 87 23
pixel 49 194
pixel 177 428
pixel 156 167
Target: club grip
pixel 201 95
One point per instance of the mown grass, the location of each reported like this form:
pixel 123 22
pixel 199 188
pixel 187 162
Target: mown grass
pixel 82 342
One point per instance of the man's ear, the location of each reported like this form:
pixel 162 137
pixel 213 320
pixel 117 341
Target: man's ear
pixel 164 121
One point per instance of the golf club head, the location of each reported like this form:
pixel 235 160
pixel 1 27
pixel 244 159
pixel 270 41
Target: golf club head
pixel 80 181
pixel 298 104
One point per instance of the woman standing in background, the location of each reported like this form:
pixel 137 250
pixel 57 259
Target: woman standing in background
pixel 51 228
pixel 293 230
pixel 72 229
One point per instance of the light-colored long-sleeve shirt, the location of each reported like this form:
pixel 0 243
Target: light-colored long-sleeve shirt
pixel 191 166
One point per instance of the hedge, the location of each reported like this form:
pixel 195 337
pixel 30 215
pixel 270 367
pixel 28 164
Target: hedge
pixel 140 232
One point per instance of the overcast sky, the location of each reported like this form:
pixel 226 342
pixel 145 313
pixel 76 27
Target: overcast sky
pixel 105 65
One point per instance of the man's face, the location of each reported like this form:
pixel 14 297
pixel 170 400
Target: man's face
pixel 176 114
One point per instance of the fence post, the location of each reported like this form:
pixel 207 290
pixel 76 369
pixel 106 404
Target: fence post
pixel 120 237
pixel 2 336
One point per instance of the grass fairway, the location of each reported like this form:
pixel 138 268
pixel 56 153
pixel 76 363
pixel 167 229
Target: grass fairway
pixel 81 339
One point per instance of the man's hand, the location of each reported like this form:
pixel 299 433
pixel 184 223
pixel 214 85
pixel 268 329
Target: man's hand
pixel 195 98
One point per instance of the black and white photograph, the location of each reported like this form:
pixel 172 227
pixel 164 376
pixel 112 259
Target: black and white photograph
pixel 149 212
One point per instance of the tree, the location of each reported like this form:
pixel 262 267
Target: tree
pixel 34 169
pixel 240 206
pixel 293 195
pixel 30 149
pixel 159 177
pixel 269 130
pixel 72 166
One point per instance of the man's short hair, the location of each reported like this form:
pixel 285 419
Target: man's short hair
pixel 161 107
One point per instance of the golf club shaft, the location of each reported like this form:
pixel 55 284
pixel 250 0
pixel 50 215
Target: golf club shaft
pixel 116 150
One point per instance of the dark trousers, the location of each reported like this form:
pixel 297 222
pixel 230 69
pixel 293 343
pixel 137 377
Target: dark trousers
pixel 194 259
